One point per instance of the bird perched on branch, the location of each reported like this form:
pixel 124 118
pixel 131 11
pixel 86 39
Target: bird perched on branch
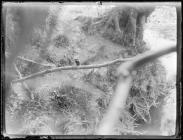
pixel 77 62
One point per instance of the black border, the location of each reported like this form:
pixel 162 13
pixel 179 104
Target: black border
pixel 178 86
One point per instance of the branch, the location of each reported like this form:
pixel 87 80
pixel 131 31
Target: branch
pixel 142 59
pixel 23 84
pixel 122 90
pixel 70 68
pixel 18 72
pixel 118 102
pixel 32 61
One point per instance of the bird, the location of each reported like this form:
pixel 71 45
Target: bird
pixel 77 62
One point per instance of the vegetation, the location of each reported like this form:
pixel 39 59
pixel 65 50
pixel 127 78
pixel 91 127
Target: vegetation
pixel 72 110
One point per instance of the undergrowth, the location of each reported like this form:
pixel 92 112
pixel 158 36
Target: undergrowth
pixel 149 83
pixel 74 111
pixel 61 41
pixel 80 112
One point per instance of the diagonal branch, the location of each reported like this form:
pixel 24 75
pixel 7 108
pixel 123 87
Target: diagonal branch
pixel 118 101
pixel 145 58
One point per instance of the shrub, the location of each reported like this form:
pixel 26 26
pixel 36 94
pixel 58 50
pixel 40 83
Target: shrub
pixel 61 41
pixel 79 108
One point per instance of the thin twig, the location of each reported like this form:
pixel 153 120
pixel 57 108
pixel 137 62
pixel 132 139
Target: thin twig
pixel 71 68
pixel 32 61
pixel 138 61
pixel 23 83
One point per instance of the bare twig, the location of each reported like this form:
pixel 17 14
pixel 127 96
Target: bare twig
pixel 32 61
pixel 126 68
pixel 122 90
pixel 71 68
pixel 25 86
